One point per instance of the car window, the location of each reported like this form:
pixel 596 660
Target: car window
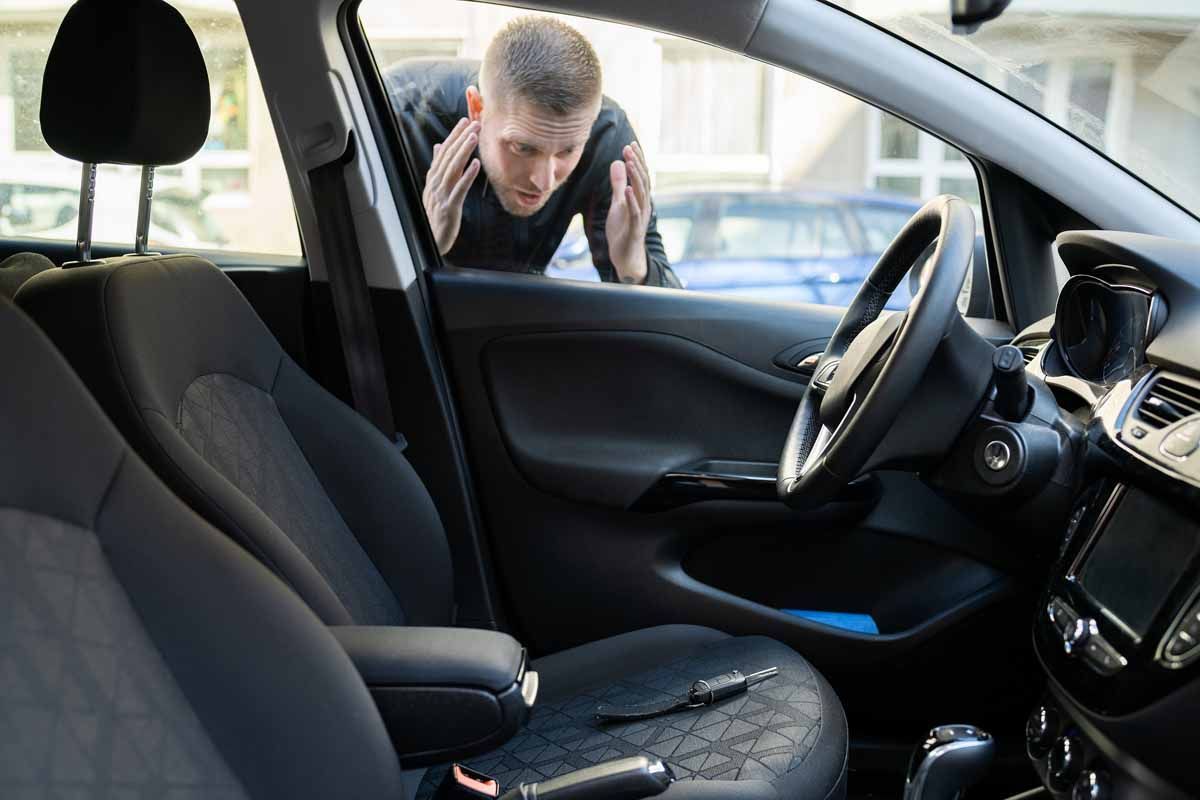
pixel 232 195
pixel 835 241
pixel 880 224
pixel 675 221
pixel 802 187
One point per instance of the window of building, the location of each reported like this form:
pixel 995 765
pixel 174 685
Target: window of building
pixel 908 162
pixel 700 83
pixel 390 51
pixel 897 139
pixel 1028 85
pixel 1090 88
pixel 232 195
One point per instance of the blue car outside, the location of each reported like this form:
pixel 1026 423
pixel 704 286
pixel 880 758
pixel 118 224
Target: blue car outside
pixel 786 246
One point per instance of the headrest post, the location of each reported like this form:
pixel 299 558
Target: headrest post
pixel 145 196
pixel 87 201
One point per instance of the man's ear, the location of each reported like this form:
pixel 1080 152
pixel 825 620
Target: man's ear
pixel 474 104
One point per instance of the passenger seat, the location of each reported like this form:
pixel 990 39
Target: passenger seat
pixel 142 653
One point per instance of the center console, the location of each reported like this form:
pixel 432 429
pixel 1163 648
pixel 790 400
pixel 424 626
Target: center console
pixel 1118 633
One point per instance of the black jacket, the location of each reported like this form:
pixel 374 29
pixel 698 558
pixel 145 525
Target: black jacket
pixel 429 98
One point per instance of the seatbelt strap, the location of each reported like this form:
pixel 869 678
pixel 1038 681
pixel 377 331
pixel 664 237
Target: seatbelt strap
pixel 351 295
pixel 702 693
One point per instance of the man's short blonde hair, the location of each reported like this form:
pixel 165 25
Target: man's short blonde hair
pixel 543 62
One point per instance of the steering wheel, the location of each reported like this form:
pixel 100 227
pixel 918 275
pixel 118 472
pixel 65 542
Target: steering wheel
pixel 872 364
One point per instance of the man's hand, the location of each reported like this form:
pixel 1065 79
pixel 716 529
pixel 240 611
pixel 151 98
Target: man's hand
pixel 447 182
pixel 629 214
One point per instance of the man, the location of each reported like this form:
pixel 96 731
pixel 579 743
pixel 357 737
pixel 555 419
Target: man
pixel 510 150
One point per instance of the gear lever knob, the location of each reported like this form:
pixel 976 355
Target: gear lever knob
pixel 949 760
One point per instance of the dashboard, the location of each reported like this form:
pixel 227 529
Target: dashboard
pixel 1118 626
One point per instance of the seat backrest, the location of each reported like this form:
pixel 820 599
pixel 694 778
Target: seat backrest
pixel 143 652
pixel 205 393
pixel 196 382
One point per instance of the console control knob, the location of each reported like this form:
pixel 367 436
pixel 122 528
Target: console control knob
pixel 1077 635
pixel 1091 785
pixel 1040 730
pixel 1066 762
pixel 1012 387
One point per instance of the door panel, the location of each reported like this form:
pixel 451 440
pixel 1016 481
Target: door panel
pixel 577 397
pixel 608 421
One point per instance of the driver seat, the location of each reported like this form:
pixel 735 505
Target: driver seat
pixel 207 396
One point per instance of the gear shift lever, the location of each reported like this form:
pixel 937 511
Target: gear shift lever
pixel 949 760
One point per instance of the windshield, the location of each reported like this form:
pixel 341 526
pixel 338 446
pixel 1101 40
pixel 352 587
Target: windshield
pixel 1122 76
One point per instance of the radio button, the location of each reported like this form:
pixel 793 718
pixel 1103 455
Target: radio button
pixel 1061 616
pixel 1178 646
pixel 1091 785
pixel 1183 441
pixel 1040 731
pixel 1101 656
pixel 1066 762
pixel 1184 644
pixel 1078 635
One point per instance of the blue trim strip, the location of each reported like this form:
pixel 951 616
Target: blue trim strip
pixel 859 623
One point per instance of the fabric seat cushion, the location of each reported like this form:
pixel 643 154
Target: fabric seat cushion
pixel 785 738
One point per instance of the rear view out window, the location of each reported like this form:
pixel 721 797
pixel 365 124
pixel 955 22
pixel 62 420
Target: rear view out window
pixel 232 195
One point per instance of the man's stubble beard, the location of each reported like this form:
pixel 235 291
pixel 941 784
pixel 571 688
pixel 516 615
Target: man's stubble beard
pixel 510 205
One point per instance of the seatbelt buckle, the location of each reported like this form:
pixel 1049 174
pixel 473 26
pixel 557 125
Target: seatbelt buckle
pixel 464 783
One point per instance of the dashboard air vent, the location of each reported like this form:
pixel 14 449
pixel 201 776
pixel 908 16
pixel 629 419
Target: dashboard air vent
pixel 1167 402
pixel 1030 349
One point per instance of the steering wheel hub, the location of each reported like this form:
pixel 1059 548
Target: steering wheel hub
pixel 879 361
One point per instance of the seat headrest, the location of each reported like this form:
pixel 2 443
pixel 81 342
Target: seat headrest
pixel 125 83
pixel 18 268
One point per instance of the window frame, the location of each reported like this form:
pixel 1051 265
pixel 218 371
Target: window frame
pixel 423 250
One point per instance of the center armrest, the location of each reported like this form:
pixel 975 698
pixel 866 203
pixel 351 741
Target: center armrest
pixel 444 693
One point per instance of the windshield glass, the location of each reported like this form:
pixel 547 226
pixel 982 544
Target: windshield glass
pixel 1123 76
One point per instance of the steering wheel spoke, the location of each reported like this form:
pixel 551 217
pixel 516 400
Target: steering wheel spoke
pixel 824 374
pixel 825 437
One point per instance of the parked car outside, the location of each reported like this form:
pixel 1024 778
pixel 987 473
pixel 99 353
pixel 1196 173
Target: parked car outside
pixel 793 246
pixel 47 207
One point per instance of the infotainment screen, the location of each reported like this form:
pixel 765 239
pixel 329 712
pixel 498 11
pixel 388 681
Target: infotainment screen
pixel 1140 556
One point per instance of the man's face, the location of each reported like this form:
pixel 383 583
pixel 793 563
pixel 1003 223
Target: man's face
pixel 528 152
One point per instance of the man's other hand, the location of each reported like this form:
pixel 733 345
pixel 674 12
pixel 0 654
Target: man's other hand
pixel 447 182
pixel 629 214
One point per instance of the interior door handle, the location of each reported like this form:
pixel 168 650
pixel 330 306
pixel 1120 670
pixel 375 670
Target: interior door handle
pixel 710 479
pixel 801 358
pixel 808 364
pixel 726 479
